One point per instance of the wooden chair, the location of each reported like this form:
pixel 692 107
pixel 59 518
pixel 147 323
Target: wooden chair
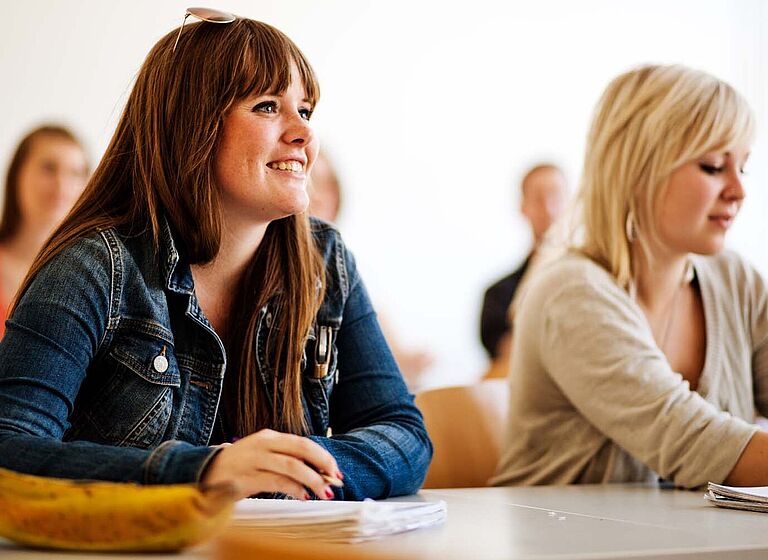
pixel 466 424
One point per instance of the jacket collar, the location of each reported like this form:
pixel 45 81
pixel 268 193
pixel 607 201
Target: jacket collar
pixel 175 269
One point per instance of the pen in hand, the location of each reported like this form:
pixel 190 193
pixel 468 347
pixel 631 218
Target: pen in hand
pixel 328 479
pixel 332 480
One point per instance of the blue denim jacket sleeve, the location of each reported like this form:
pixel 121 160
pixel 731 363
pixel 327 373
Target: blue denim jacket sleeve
pixel 379 442
pixel 51 339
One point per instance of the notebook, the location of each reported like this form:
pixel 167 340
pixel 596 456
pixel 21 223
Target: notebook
pixel 338 522
pixel 752 498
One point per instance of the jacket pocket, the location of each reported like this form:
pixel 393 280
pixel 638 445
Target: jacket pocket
pixel 128 398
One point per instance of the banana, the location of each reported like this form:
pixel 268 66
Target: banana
pixel 110 516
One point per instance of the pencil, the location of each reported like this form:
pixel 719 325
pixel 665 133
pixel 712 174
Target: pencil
pixel 332 480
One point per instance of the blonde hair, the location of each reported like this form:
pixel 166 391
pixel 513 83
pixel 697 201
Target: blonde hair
pixel 649 121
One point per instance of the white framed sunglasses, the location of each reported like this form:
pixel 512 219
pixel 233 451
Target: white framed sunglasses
pixel 204 14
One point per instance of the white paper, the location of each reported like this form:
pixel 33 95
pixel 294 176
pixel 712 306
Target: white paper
pixel 752 498
pixel 333 521
pixel 746 492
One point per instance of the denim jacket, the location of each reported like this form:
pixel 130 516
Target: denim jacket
pixel 110 370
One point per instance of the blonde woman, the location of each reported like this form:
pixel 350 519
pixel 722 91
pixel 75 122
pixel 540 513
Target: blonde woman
pixel 643 352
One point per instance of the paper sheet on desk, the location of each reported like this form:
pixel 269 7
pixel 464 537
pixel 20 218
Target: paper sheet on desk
pixel 347 522
pixel 751 498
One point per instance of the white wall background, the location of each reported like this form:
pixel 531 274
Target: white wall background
pixel 431 110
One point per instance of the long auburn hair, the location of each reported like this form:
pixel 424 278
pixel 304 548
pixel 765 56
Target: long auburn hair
pixel 11 216
pixel 160 161
pixel 648 122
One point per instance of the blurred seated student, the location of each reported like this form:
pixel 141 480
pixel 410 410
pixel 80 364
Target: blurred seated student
pixel 544 191
pixel 325 196
pixel 643 351
pixel 187 322
pixel 47 173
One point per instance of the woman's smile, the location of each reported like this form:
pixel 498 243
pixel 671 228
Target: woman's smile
pixel 291 166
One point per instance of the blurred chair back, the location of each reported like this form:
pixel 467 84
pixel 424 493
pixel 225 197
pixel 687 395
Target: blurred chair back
pixel 467 425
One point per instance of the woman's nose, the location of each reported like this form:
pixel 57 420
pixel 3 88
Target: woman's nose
pixel 734 190
pixel 299 131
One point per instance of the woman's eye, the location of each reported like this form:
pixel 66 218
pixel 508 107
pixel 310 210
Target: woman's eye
pixel 306 114
pixel 265 107
pixel 711 169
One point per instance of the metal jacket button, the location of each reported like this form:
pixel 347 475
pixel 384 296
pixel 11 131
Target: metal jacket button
pixel 160 363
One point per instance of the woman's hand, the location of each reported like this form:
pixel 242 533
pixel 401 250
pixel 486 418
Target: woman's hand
pixel 270 461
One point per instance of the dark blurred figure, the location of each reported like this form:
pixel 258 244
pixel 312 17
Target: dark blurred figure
pixel 325 196
pixel 46 175
pixel 544 194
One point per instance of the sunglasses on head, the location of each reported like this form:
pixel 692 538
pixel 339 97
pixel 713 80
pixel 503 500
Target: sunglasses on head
pixel 204 14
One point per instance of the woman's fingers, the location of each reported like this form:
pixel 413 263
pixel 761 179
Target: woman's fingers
pixel 304 449
pixel 264 481
pixel 299 471
pixel 270 461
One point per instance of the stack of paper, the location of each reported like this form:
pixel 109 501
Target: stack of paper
pixel 347 522
pixel 752 498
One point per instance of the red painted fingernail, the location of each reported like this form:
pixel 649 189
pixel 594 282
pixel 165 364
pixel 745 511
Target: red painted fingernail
pixel 306 496
pixel 328 493
pixel 339 475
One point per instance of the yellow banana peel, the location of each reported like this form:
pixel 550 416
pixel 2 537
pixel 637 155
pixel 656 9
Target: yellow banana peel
pixel 110 516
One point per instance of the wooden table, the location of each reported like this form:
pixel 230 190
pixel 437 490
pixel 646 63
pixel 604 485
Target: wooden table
pixel 553 523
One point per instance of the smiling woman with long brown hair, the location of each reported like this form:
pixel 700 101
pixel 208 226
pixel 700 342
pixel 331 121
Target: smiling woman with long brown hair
pixel 187 321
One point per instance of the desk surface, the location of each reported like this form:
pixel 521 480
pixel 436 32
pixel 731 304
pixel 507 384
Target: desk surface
pixel 553 523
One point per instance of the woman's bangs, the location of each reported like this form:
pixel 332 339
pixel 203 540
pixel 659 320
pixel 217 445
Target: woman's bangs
pixel 266 67
pixel 732 121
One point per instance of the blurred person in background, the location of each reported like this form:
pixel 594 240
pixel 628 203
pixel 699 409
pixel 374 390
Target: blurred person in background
pixel 47 173
pixel 544 192
pixel 325 202
pixel 324 190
